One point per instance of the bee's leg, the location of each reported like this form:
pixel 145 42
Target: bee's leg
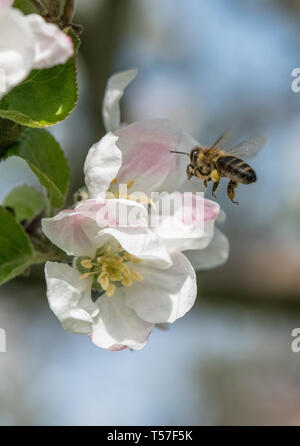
pixel 190 171
pixel 214 188
pixel 230 190
pixel 198 175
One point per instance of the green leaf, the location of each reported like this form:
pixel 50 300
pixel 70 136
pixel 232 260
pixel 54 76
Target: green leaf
pixel 46 159
pixel 25 6
pixel 16 251
pixel 45 97
pixel 26 201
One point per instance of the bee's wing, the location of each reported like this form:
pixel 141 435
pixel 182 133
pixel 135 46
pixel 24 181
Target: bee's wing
pixel 249 148
pixel 223 141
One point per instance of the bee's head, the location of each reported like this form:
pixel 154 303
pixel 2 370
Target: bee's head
pixel 199 159
pixel 194 155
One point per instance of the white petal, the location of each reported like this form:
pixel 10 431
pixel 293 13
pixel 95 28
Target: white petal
pixel 192 224
pixel 183 237
pixel 111 102
pixel 147 160
pixel 80 231
pixel 65 291
pixel 101 166
pixel 214 255
pixel 163 295
pixel 117 326
pixel 142 243
pixel 221 217
pixel 52 46
pixel 75 231
pixel 121 212
pixel 16 48
pixel 6 2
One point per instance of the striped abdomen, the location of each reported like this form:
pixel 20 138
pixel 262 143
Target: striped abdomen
pixel 235 169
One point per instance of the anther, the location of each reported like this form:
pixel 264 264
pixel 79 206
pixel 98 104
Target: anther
pixel 111 290
pixel 86 263
pixel 86 275
pixel 130 184
pixel 136 276
pixel 127 281
pixel 103 280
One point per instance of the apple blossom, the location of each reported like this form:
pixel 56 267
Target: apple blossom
pixel 27 43
pixel 139 155
pixel 123 279
pixel 126 279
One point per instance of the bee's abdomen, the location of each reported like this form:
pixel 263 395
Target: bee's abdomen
pixel 236 169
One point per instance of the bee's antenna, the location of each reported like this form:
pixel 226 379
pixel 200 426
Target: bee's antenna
pixel 182 153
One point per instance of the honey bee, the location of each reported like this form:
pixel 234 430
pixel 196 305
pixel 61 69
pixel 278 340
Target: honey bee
pixel 214 162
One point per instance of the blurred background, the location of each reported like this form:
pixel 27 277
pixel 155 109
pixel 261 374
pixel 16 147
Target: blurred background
pixel 209 67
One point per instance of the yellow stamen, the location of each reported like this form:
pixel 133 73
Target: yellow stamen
pixel 136 276
pixel 143 199
pixel 103 280
pixel 118 259
pixel 132 258
pixel 86 275
pixel 86 263
pixel 115 277
pixel 127 256
pixel 126 271
pixel 130 184
pixel 111 267
pixel 140 198
pixel 135 259
pixel 111 290
pixel 127 281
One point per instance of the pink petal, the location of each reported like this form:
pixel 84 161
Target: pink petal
pixel 82 230
pixel 6 3
pixel 191 225
pixel 196 209
pixel 52 46
pixel 146 147
pixel 75 230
